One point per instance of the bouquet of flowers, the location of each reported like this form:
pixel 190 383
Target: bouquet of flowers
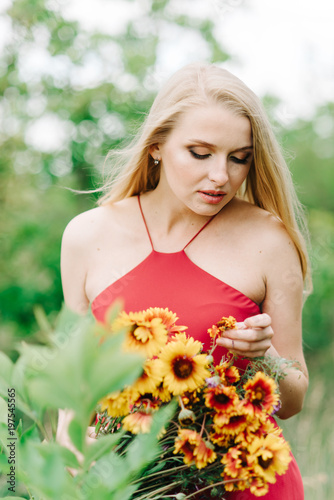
pixel 222 437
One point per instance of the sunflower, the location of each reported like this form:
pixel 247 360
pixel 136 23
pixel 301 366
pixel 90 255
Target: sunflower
pixel 194 448
pixel 183 368
pixel 222 398
pixel 261 395
pixel 145 336
pixel 168 318
pixel 138 422
pixel 150 378
pixel 118 403
pixel 271 456
pixel 228 373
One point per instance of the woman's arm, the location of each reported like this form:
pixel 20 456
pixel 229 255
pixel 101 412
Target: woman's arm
pixel 74 264
pixel 278 330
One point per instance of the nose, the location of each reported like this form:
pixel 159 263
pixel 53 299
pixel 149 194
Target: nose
pixel 218 173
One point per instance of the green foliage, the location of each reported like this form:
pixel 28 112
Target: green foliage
pixel 74 374
pixel 97 111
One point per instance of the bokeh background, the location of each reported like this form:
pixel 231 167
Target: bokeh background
pixel 76 78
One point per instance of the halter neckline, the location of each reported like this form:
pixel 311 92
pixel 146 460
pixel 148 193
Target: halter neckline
pixel 190 241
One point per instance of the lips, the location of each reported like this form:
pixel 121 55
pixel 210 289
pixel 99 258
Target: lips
pixel 213 193
pixel 212 196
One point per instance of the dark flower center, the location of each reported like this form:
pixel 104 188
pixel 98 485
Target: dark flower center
pixel 222 399
pixel 182 367
pixel 265 463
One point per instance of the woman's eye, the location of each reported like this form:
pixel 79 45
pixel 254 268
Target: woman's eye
pixel 199 157
pixel 245 160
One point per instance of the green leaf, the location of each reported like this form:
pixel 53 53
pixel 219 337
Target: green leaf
pixel 13 498
pixel 144 448
pixel 3 411
pixel 6 368
pixel 43 470
pixel 30 434
pixel 102 446
pixel 70 460
pixel 77 433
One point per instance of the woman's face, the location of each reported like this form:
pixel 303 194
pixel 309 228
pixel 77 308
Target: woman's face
pixel 205 158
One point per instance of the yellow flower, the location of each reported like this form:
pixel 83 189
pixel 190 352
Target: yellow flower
pixel 150 378
pixel 260 394
pixel 168 318
pixel 162 393
pixel 271 456
pixel 139 422
pixel 118 403
pixel 145 336
pixel 222 325
pixel 183 368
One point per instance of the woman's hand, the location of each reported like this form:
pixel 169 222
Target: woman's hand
pixel 251 338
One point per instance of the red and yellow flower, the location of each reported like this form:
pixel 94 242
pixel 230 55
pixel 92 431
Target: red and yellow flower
pixel 228 373
pixel 138 422
pixel 231 424
pixel 222 398
pixel 194 448
pixel 236 467
pixel 260 395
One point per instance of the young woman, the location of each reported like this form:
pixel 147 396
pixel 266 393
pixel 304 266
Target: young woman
pixel 202 219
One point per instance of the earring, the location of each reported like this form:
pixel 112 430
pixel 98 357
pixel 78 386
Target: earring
pixel 156 162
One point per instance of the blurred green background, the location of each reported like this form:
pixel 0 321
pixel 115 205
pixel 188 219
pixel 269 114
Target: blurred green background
pixel 59 121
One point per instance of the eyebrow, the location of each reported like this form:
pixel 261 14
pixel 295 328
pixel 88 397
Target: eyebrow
pixel 208 145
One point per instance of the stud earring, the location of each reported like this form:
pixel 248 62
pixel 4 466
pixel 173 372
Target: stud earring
pixel 156 161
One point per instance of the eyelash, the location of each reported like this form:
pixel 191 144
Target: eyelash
pixel 233 158
pixel 199 157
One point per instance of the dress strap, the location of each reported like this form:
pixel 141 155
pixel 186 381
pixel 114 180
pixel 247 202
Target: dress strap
pixel 142 214
pixel 203 227
pixel 148 233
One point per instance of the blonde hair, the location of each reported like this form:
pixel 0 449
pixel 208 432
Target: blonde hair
pixel 268 185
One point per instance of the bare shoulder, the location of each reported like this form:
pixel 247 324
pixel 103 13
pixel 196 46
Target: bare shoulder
pixel 267 228
pixel 93 224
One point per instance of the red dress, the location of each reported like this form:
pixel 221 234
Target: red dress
pixel 199 299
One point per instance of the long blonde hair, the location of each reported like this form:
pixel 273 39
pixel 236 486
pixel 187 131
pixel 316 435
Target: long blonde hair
pixel 268 185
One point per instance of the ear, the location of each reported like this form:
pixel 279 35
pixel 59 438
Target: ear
pixel 155 151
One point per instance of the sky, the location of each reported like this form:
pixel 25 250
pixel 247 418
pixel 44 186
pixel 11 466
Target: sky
pixel 283 48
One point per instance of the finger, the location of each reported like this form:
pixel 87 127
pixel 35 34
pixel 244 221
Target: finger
pixel 245 348
pixel 248 335
pixel 258 321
